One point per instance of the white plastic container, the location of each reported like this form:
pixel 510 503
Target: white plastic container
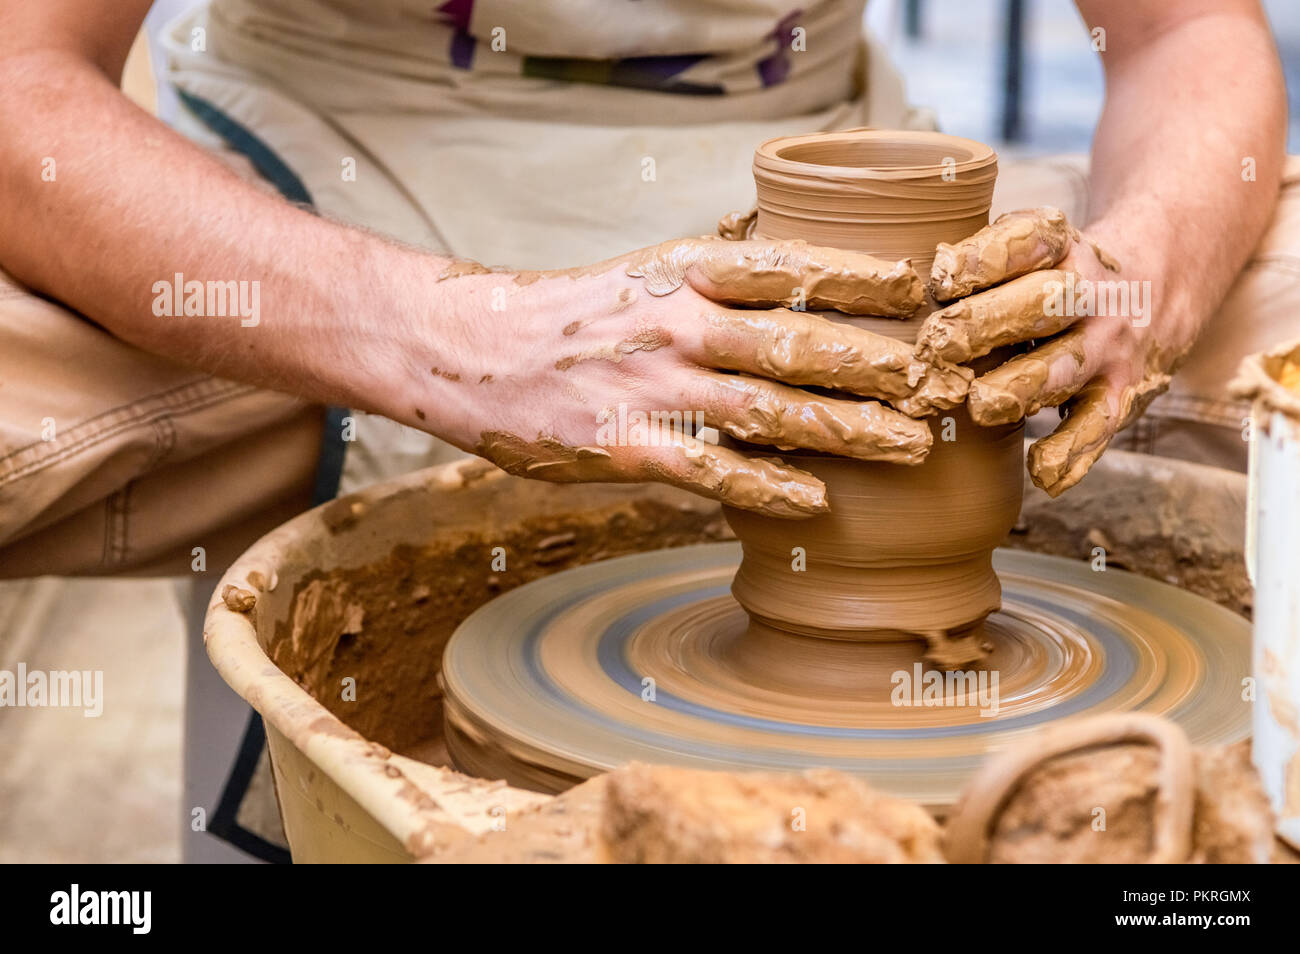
pixel 1273 561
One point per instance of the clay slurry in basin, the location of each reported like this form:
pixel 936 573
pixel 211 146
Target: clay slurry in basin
pixel 905 551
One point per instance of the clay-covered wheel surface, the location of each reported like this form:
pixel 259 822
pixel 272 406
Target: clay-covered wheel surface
pixel 648 658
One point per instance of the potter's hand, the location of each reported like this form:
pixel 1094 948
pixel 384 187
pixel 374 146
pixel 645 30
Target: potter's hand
pixel 1045 280
pixel 604 365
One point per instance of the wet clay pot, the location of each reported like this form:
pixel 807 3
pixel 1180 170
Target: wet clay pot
pixel 905 550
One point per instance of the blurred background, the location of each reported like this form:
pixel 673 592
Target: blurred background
pixel 1021 74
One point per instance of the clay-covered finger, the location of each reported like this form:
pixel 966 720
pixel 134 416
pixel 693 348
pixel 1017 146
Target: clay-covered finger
pixel 762 412
pixel 751 483
pixel 654 451
pixel 1045 377
pixel 781 273
pixel 1093 418
pixel 1028 307
pixel 1059 461
pixel 1016 244
pixel 803 349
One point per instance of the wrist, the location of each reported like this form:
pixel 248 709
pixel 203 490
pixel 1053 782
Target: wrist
pixel 394 346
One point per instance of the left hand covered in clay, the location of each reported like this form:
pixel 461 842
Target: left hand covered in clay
pixel 1032 277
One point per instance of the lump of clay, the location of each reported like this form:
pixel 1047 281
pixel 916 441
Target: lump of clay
pixel 661 814
pixel 1120 788
pixel 1234 821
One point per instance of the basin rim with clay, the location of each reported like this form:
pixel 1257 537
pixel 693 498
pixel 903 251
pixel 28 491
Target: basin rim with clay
pixel 348 796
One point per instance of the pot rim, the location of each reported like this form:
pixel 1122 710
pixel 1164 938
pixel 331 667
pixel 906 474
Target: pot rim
pixel 773 155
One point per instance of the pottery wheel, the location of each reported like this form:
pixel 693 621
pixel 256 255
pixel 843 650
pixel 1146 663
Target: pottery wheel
pixel 648 658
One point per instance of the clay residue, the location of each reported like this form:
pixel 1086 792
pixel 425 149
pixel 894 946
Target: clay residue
pixel 737 226
pixel 757 273
pixel 625 299
pixel 463 267
pixel 1289 377
pixel 1109 797
pixel 385 623
pixel 547 457
pixel 563 830
pixel 811 350
pixel 237 599
pixel 904 550
pixel 774 273
pixel 646 814
pixel 1272 378
pixel 645 339
pixel 342 513
pixel 1234 821
pixel 979 830
pixel 1018 388
pixel 1094 415
pixel 1016 244
pixel 666 815
pixel 755 411
pixel 956 649
pixel 718 473
pixel 1008 314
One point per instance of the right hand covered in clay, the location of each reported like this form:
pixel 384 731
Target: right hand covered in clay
pixel 1016 281
pixel 587 374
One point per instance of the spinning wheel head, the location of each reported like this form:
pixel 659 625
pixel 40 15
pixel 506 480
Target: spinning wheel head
pixel 648 657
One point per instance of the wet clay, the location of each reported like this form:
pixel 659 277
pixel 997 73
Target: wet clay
pixel 973 327
pixel 1164 802
pixel 1016 244
pixel 683 462
pixel 660 814
pixel 1289 376
pixel 664 815
pixel 385 624
pixel 657 814
pixel 768 274
pixel 774 349
pixel 902 551
pixel 814 350
pixel 1013 301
